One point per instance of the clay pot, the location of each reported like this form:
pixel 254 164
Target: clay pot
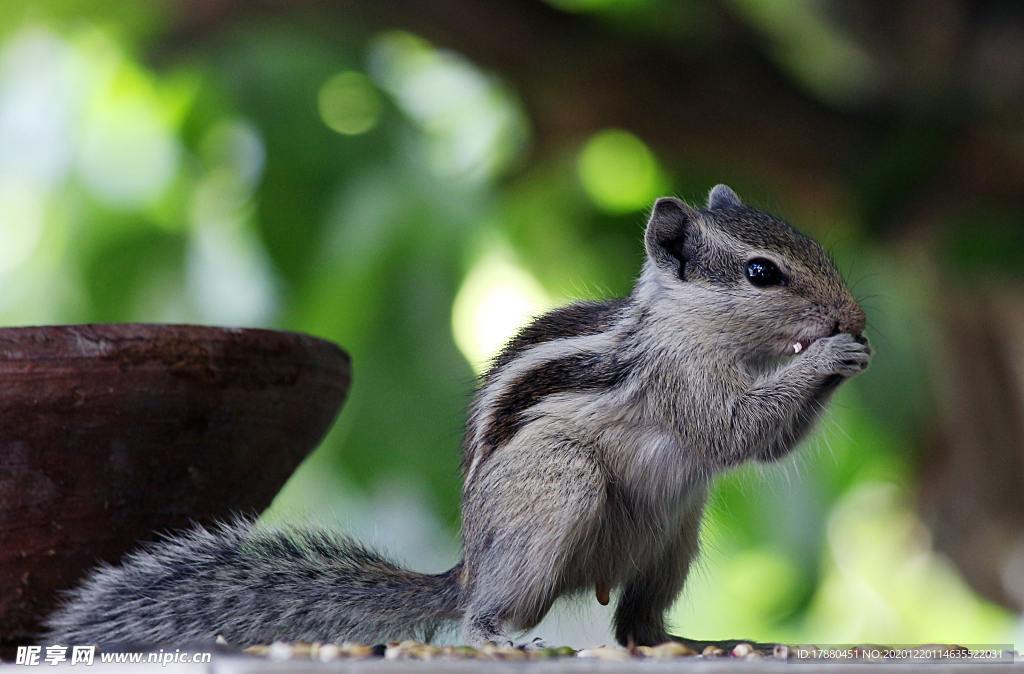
pixel 110 434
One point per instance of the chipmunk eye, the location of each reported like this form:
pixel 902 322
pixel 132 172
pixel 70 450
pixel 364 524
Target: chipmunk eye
pixel 762 273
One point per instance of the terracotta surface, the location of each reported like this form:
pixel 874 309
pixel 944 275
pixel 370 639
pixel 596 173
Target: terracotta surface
pixel 109 433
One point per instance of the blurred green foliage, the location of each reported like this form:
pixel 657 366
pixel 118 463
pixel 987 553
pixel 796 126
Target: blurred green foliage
pixel 380 193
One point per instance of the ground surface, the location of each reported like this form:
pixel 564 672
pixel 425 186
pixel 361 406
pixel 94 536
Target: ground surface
pixel 411 657
pixel 236 665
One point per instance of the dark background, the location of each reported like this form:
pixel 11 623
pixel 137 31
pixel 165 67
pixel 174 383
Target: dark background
pixel 415 179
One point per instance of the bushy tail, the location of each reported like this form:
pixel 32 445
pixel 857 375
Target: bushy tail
pixel 252 586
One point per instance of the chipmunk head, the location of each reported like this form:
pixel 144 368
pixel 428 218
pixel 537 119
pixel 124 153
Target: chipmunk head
pixel 756 277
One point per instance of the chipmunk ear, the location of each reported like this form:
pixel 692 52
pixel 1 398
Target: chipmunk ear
pixel 667 230
pixel 722 196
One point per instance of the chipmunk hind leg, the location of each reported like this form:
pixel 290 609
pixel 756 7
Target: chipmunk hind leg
pixel 647 596
pixel 514 597
pixel 537 515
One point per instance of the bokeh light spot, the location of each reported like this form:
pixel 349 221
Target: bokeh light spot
pixel 619 172
pixel 129 153
pixel 40 97
pixel 497 298
pixel 22 224
pixel 473 126
pixel 349 103
pixel 765 580
pixel 237 146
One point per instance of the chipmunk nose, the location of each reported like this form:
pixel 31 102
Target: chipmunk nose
pixel 851 319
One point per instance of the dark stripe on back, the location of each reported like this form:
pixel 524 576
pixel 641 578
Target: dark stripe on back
pixel 578 372
pixel 573 320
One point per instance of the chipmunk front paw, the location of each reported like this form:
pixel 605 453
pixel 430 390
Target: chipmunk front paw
pixel 844 355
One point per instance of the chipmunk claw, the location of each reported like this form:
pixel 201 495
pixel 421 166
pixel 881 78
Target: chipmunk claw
pixel 535 644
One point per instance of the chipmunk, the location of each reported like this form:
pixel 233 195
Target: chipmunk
pixel 588 453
